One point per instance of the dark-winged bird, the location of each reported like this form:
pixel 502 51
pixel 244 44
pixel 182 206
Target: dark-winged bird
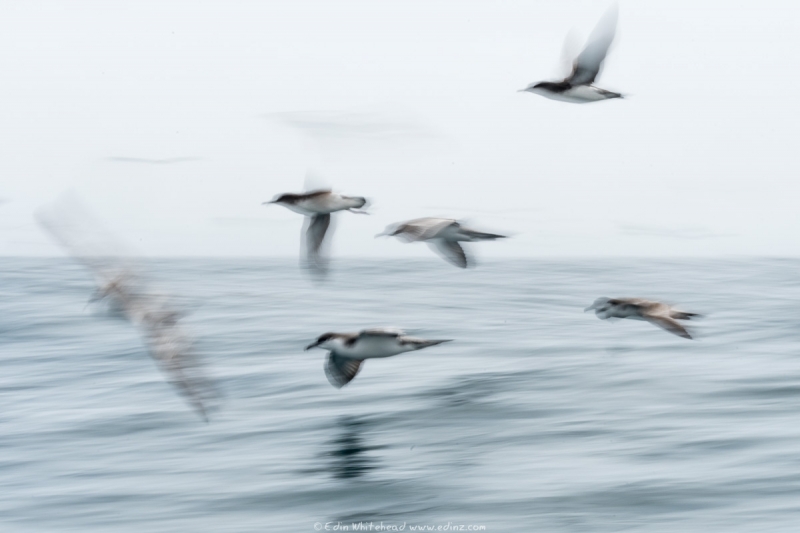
pixel 578 86
pixel 318 206
pixel 349 350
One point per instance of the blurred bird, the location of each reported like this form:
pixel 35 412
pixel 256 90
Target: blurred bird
pixel 577 87
pixel 660 314
pixel 349 350
pixel 441 234
pixel 120 283
pixel 318 206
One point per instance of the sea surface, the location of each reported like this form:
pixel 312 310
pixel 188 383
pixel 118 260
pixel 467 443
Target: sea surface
pixel 537 417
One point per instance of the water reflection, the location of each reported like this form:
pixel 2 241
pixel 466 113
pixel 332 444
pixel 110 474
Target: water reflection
pixel 349 451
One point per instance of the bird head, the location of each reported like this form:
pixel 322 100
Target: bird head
pixel 390 231
pixel 282 199
pixel 600 305
pixel 540 87
pixel 322 341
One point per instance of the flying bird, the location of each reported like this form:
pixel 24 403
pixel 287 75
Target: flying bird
pixel 349 350
pixel 318 206
pixel 657 313
pixel 441 234
pixel 169 345
pixel 121 284
pixel 578 86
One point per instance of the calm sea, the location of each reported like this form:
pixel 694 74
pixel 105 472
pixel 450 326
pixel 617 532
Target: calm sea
pixel 537 417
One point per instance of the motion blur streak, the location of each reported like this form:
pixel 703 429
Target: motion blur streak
pixel 120 282
pixel 539 417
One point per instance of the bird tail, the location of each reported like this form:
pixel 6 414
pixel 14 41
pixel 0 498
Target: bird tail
pixel 481 236
pixel 682 315
pixel 424 344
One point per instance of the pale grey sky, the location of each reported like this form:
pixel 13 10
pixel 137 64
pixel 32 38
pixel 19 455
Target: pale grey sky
pixel 175 120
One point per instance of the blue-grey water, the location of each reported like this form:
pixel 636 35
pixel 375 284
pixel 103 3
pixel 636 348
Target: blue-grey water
pixel 537 417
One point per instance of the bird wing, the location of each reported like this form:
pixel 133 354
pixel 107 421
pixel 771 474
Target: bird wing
pixel 669 324
pixel 474 235
pixel 341 370
pixel 682 315
pixel 381 332
pixel 315 234
pixel 119 278
pixel 75 228
pixel 570 50
pixel 589 62
pixel 651 307
pixel 171 348
pixel 314 194
pixel 314 181
pixel 639 303
pixel 419 344
pixel 451 251
pixel 422 229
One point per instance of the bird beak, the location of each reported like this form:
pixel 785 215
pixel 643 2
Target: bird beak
pixel 522 90
pixel 312 345
pixel 270 202
pixel 588 308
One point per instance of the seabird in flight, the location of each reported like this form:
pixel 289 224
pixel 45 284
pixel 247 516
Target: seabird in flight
pixel 318 206
pixel 577 87
pixel 657 313
pixel 441 234
pixel 349 350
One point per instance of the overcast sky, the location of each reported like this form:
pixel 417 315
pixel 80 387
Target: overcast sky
pixel 174 120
